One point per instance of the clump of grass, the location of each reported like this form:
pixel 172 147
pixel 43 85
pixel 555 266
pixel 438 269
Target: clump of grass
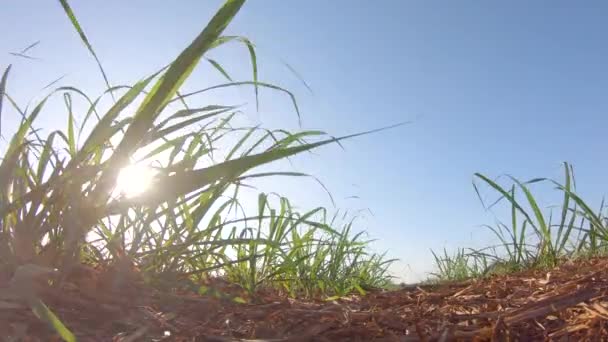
pixel 59 206
pixel 461 265
pixel 533 238
pixel 302 254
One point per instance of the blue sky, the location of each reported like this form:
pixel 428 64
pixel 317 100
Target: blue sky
pixel 514 87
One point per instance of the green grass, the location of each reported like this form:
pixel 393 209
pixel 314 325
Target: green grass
pixel 459 266
pixel 533 237
pixel 58 205
pixel 59 208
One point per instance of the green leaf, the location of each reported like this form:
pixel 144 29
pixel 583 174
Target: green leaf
pixel 45 314
pixel 29 47
pixel 544 229
pixel 3 91
pixel 45 155
pixel 298 76
pixel 254 67
pixel 217 66
pixel 71 137
pixel 255 84
pixel 565 207
pixel 506 195
pixel 239 300
pixel 68 11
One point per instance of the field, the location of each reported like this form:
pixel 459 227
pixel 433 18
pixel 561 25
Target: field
pixel 84 259
pixel 567 302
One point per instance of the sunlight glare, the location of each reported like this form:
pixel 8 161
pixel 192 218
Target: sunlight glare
pixel 134 180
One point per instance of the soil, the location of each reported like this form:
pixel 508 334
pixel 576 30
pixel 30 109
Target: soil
pixel 569 302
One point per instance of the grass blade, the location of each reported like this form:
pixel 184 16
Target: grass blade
pixel 219 68
pixel 68 11
pixel 71 136
pixel 2 92
pixel 45 314
pixel 29 47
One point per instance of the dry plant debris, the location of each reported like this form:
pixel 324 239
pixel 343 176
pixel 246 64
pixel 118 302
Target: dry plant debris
pixel 569 302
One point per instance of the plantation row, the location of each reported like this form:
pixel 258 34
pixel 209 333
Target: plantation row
pixel 532 237
pixel 60 204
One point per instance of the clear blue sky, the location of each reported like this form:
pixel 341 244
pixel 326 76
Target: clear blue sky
pixel 513 87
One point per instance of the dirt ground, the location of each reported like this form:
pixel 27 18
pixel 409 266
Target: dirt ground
pixel 568 303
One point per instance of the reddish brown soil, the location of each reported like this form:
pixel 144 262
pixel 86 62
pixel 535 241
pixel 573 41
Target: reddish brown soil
pixel 567 303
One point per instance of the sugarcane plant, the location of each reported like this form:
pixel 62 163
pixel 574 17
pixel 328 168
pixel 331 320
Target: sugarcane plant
pixel 59 203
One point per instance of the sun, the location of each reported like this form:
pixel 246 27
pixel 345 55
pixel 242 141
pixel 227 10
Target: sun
pixel 134 180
